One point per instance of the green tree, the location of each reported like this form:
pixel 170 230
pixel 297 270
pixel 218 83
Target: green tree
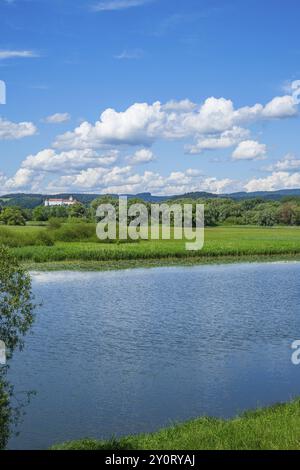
pixel 40 214
pixel 16 301
pixel 16 318
pixel 297 216
pixel 267 218
pixel 58 211
pixel 77 211
pixel 286 214
pixel 12 216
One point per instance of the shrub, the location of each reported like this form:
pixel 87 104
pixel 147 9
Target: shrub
pixel 14 239
pixel 75 232
pixel 54 223
pixel 44 239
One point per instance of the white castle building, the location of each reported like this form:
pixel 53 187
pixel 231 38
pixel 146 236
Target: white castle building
pixel 60 202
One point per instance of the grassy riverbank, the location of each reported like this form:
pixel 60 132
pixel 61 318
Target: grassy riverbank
pixel 155 263
pixel 222 244
pixel 271 428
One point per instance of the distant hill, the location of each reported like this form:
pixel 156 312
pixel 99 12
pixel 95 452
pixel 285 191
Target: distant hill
pixel 269 195
pixel 30 201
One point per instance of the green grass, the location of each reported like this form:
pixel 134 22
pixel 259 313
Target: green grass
pixel 274 428
pixel 234 243
pixel 77 245
pixel 114 265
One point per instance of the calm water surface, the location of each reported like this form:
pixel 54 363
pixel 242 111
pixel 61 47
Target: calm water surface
pixel 131 351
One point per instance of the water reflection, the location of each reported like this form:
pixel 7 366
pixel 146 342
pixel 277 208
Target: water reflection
pixel 131 351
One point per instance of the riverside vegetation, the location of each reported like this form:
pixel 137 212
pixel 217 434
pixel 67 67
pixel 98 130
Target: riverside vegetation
pixel 61 237
pixel 72 244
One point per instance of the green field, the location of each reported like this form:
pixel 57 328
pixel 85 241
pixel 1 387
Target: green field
pixel 221 244
pixel 274 428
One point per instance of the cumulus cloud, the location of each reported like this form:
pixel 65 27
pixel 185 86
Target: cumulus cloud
pixel 218 141
pixel 85 158
pixel 24 179
pixel 281 106
pixel 140 124
pixel 49 161
pixel 94 179
pixel 294 89
pixel 213 124
pixel 141 156
pixel 179 106
pixel 123 180
pixel 57 118
pixel 288 163
pixel 250 150
pixel 278 180
pixel 14 131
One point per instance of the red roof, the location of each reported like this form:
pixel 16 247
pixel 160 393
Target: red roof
pixel 60 200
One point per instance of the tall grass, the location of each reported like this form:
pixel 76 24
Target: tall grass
pixel 72 242
pixel 74 232
pixel 24 238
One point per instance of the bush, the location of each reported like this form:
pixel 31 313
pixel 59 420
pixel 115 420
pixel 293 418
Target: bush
pixel 44 239
pixel 75 232
pixel 235 220
pixel 14 239
pixel 54 223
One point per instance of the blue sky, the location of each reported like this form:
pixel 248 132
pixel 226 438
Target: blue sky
pixel 162 96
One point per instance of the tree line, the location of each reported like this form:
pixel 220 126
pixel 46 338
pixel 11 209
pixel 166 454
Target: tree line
pixel 218 211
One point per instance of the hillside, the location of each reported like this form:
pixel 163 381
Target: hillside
pixel 30 201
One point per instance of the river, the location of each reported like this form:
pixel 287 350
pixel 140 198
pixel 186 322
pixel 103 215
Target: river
pixel 130 351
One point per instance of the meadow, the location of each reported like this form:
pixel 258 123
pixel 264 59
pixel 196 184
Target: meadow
pixel 274 428
pixel 76 245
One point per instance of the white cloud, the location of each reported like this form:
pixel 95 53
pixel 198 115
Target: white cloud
pixel 281 106
pixel 12 54
pixel 57 118
pixel 215 115
pixel 24 179
pixel 278 180
pixel 87 155
pixel 289 162
pixel 138 125
pixel 250 150
pixel 293 88
pixel 213 124
pixel 122 180
pixel 141 156
pixel 113 5
pixel 179 106
pixel 13 131
pixel 93 179
pixel 218 141
pixel 49 161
